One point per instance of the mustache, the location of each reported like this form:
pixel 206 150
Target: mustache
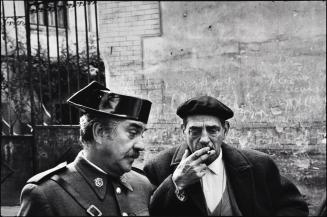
pixel 134 154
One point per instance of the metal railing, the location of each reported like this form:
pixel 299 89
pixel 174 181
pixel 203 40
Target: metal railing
pixel 49 49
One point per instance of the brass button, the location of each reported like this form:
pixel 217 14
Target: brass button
pixel 124 214
pixel 118 190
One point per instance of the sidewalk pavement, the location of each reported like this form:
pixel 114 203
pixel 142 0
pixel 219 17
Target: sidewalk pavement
pixel 9 210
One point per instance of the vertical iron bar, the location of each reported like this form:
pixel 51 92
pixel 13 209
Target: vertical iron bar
pixel 97 37
pixel 58 61
pixel 77 51
pixel 39 58
pixel 67 61
pixel 29 69
pixel 16 62
pixel 7 67
pixel 87 43
pixel 16 31
pixel 46 15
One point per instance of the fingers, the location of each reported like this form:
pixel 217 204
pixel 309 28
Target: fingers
pixel 186 153
pixel 201 170
pixel 201 174
pixel 203 167
pixel 204 157
pixel 199 152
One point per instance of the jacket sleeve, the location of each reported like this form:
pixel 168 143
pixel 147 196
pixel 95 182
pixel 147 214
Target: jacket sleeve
pixel 291 202
pixel 163 199
pixel 288 200
pixel 34 202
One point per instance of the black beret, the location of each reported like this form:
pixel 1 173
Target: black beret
pixel 97 99
pixel 204 105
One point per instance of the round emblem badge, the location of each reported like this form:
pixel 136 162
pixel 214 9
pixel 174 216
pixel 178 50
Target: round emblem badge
pixel 98 182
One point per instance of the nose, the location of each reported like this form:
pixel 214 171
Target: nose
pixel 204 139
pixel 139 145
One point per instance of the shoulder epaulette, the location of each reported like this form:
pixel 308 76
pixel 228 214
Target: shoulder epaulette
pixel 138 170
pixel 38 178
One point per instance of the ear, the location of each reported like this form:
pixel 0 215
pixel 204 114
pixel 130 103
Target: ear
pixel 226 127
pixel 183 128
pixel 97 132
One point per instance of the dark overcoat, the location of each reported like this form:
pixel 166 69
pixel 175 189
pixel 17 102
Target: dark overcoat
pixel 43 195
pixel 258 187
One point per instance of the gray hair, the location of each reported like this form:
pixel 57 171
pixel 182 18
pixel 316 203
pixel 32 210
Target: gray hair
pixel 88 120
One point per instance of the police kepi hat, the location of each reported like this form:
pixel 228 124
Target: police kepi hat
pixel 204 105
pixel 97 99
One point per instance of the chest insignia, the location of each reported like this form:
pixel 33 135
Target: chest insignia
pixel 98 182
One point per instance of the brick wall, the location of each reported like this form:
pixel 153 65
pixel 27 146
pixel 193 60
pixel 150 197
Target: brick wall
pixel 123 25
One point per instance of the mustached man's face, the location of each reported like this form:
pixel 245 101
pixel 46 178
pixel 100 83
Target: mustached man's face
pixel 118 148
pixel 205 131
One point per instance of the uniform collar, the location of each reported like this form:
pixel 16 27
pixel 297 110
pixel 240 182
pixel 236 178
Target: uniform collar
pixel 92 164
pixel 124 181
pixel 97 179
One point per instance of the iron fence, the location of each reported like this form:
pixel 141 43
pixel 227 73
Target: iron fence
pixel 49 49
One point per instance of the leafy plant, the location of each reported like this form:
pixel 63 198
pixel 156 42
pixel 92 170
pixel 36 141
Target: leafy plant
pixel 53 81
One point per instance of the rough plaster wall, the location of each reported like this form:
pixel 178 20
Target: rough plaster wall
pixel 266 60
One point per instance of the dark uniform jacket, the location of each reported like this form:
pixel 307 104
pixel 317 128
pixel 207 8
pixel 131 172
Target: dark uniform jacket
pixel 258 187
pixel 43 194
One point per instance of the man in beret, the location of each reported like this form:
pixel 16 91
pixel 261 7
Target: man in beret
pixel 206 176
pixel 101 179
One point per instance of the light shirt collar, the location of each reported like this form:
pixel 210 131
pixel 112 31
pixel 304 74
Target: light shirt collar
pixel 214 183
pixel 93 165
pixel 217 165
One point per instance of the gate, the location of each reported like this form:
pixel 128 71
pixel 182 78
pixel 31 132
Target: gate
pixel 49 50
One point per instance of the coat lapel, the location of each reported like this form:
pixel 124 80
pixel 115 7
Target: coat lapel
pixel 239 172
pixel 240 175
pixel 194 192
pixel 196 195
pixel 97 180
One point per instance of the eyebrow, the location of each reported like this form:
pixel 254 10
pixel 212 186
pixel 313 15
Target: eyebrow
pixel 210 126
pixel 137 126
pixel 200 126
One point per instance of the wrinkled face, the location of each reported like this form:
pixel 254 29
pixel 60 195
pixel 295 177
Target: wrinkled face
pixel 205 131
pixel 118 147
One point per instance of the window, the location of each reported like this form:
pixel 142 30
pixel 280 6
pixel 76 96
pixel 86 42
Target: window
pixel 46 10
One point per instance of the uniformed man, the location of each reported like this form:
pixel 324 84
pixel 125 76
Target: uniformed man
pixel 101 180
